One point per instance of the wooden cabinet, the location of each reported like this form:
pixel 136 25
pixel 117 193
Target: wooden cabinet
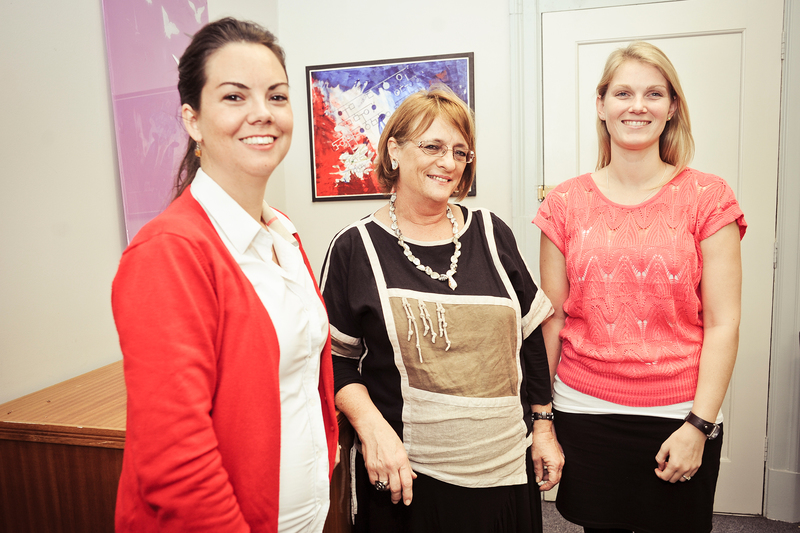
pixel 61 458
pixel 61 455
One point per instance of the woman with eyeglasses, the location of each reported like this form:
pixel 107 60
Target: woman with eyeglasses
pixel 439 359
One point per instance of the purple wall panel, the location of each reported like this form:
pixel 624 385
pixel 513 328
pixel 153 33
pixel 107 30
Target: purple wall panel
pixel 144 39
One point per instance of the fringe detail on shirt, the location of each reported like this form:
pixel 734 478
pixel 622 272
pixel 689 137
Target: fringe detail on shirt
pixel 427 323
pixel 442 324
pixel 412 323
pixel 425 316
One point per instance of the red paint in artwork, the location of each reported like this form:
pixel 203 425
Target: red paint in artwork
pixel 329 145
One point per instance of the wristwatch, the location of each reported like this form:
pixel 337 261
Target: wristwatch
pixel 543 416
pixel 710 429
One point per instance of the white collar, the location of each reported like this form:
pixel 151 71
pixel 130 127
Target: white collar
pixel 238 226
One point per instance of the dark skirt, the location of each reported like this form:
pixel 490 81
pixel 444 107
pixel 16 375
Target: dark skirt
pixel 439 507
pixel 609 478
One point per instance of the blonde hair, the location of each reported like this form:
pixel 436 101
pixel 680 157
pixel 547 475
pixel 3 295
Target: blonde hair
pixel 412 118
pixel 676 145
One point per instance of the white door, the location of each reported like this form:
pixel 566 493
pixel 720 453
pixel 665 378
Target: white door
pixel 728 56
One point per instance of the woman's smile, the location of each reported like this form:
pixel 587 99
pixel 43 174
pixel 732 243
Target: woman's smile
pixel 260 141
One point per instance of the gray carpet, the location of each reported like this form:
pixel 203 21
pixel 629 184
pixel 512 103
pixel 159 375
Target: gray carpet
pixel 553 523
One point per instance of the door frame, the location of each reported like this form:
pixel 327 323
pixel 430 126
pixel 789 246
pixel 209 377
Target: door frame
pixel 782 477
pixel 782 482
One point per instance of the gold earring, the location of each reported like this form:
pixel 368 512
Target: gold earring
pixel 198 151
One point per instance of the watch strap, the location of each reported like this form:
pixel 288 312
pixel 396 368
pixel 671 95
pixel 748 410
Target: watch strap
pixel 542 416
pixel 709 429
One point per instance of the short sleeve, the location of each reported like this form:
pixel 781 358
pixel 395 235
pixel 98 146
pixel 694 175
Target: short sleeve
pixel 551 218
pixel 337 275
pixel 716 207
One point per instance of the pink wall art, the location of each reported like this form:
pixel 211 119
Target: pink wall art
pixel 144 40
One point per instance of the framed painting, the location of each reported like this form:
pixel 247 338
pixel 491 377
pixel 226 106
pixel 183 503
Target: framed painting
pixel 349 105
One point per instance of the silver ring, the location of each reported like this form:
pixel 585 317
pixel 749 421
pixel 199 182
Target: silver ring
pixel 687 478
pixel 541 483
pixel 380 485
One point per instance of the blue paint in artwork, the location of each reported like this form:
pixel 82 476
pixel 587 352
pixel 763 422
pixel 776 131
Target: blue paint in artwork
pixel 400 78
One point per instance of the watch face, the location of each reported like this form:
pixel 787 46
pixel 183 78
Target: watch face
pixel 714 432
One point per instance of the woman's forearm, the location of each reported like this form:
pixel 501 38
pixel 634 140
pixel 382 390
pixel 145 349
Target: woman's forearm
pixel 720 346
pixel 551 329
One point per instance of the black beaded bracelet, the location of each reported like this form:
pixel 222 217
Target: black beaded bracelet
pixel 542 416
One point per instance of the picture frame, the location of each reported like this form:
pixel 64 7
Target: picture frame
pixel 349 105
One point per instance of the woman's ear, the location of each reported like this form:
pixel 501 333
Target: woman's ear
pixel 392 147
pixel 190 118
pixel 601 108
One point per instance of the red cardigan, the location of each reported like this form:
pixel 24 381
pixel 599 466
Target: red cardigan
pixel 201 358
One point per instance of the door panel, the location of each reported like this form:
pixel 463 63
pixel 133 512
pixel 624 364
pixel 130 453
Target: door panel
pixel 728 56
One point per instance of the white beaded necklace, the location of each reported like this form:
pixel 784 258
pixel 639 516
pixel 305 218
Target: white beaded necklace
pixel 448 276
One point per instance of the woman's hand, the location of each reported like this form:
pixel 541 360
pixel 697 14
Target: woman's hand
pixel 681 454
pixel 386 461
pixel 384 454
pixel 546 452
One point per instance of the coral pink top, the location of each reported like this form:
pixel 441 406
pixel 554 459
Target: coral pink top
pixel 634 317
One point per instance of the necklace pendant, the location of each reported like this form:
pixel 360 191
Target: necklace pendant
pixel 452 283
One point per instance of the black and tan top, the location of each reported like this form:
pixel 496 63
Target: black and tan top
pixel 453 371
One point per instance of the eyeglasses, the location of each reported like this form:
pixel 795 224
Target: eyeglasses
pixel 439 149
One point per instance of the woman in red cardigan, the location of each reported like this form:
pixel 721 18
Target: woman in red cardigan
pixel 231 423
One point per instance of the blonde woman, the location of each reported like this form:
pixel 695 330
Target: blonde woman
pixel 641 260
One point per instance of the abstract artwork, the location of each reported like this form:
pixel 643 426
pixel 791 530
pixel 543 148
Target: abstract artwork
pixel 349 105
pixel 144 39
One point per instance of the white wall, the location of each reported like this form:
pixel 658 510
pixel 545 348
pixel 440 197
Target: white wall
pixel 60 212
pixel 325 32
pixel 61 225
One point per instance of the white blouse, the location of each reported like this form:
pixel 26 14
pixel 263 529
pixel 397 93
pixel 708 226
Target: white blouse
pixel 290 297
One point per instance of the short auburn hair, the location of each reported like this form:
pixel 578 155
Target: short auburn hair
pixel 414 116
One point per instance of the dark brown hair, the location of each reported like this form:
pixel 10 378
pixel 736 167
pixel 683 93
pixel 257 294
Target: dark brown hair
pixel 192 73
pixel 412 118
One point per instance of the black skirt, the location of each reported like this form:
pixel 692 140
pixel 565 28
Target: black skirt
pixel 439 507
pixel 609 478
